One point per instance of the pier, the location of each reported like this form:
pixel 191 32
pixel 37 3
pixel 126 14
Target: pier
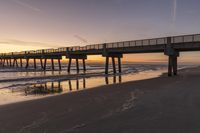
pixel 169 46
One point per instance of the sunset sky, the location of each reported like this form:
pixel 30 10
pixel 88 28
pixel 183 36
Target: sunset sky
pixel 37 24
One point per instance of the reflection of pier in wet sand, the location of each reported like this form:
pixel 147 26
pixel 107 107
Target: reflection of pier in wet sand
pixel 56 87
pixel 114 77
pixel 44 88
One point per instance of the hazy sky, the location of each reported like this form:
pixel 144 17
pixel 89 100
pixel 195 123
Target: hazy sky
pixel 35 24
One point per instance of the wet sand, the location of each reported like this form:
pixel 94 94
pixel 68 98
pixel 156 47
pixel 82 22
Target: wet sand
pixel 158 105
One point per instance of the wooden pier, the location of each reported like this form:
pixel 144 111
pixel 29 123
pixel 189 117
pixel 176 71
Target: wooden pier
pixel 170 46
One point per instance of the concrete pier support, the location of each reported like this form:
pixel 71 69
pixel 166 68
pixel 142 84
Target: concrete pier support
pixel 3 63
pixel 21 63
pixel 77 57
pixel 7 62
pixel 41 63
pixel 27 63
pixel 107 65
pixel 15 63
pixel 69 65
pixel 35 63
pixel 10 62
pixel 77 66
pixel 45 64
pixel 113 56
pixel 172 58
pixel 172 65
pixel 59 65
pixel 113 64
pixel 52 64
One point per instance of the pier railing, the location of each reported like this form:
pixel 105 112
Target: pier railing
pixel 124 44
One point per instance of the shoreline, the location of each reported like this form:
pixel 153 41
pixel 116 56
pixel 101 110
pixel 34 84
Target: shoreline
pixel 129 77
pixel 163 104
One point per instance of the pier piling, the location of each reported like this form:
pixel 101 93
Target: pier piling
pixel 45 64
pixel 10 62
pixel 69 65
pixel 27 63
pixel 172 57
pixel 113 56
pixel 59 64
pixel 84 67
pixel 52 64
pixel 3 63
pixel 77 65
pixel 41 63
pixel 35 66
pixel 113 64
pixel 21 63
pixel 107 65
pixel 76 57
pixel 7 62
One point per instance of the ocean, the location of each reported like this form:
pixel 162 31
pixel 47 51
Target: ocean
pixel 21 85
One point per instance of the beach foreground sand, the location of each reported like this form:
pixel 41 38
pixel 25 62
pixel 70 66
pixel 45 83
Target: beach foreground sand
pixel 159 105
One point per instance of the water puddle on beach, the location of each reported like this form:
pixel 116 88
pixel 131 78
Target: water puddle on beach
pixel 43 89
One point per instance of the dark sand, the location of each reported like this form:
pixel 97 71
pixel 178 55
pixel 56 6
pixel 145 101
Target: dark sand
pixel 159 105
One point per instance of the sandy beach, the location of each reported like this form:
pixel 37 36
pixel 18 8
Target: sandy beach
pixel 158 105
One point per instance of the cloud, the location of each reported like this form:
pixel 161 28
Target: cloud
pixel 28 43
pixel 26 5
pixel 81 38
